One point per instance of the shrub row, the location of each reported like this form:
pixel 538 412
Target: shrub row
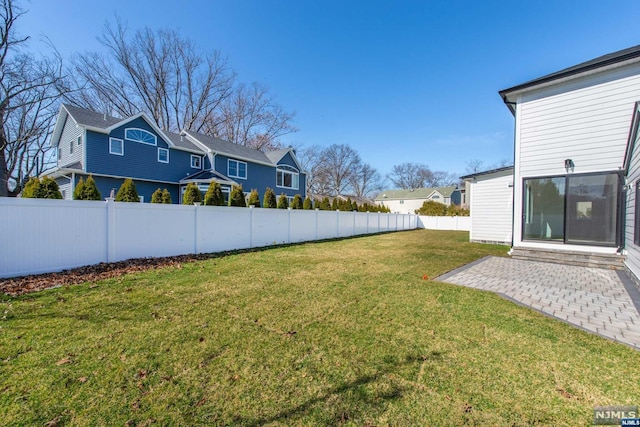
pixel 431 208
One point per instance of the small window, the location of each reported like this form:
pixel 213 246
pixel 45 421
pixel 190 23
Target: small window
pixel 71 147
pixel 196 162
pixel 116 146
pixel 140 135
pixel 237 169
pixel 59 153
pixel 287 177
pixel 79 140
pixel 402 202
pixel 163 155
pixel 436 197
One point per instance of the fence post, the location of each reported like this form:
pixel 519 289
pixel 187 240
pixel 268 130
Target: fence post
pixel 367 222
pixel 195 227
pixel 317 220
pixel 111 229
pixel 289 227
pixel 337 222
pixel 354 224
pixel 251 226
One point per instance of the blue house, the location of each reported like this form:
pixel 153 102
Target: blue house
pixel 112 149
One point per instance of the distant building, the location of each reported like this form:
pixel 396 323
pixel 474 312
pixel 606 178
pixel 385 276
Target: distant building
pixel 407 201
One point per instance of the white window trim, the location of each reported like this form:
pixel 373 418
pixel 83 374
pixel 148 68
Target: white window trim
pixel 161 150
pixel 238 162
pixel 79 140
pixel 110 146
pixel 155 138
pixel 279 169
pixel 194 157
pixel 70 147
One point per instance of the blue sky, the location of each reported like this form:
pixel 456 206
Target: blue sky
pixel 399 81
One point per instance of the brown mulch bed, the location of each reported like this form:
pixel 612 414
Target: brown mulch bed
pixel 22 285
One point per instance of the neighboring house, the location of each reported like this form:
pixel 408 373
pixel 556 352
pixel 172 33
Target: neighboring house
pixel 112 149
pixel 490 198
pixel 577 171
pixel 407 201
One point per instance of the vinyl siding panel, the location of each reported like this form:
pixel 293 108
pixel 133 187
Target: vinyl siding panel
pixel 632 260
pixel 140 161
pixel 492 208
pixel 587 121
pixel 69 135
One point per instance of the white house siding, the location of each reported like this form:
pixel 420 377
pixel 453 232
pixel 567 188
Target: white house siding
pixel 70 134
pixel 632 260
pixel 586 120
pixel 492 208
pixel 406 206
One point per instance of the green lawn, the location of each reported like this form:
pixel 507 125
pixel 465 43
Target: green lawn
pixel 340 332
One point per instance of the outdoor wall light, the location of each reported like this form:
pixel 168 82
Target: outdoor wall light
pixel 569 165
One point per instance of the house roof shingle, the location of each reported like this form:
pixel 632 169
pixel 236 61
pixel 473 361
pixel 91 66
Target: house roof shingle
pixel 234 150
pixel 416 193
pixel 90 118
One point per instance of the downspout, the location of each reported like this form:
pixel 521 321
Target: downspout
pixel 512 106
pixel 73 183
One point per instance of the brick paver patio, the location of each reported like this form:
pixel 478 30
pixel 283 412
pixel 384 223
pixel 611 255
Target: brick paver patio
pixel 605 302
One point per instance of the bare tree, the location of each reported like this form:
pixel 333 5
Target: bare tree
pixel 310 159
pixel 442 179
pixel 251 117
pixel 410 175
pixel 178 85
pixel 338 166
pixel 365 180
pixel 29 90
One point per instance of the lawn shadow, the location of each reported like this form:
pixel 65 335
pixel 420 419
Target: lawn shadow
pixel 350 408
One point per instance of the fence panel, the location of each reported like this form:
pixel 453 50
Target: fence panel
pixel 42 236
pixel 39 236
pixel 453 223
pixel 223 228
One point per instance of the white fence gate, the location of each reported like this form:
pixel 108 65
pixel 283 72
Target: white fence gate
pixel 41 236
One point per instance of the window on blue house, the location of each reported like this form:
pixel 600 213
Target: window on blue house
pixel 140 135
pixel 237 169
pixel 163 155
pixel 116 146
pixel 287 177
pixel 71 147
pixel 196 162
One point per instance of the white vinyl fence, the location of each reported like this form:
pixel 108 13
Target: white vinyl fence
pixel 40 236
pixel 454 223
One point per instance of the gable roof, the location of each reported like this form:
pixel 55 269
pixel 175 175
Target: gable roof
pixel 629 54
pixel 99 122
pixel 230 149
pixel 416 193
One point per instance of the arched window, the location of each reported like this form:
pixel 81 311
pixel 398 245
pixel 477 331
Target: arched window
pixel 140 135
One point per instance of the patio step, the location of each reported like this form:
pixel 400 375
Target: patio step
pixel 585 259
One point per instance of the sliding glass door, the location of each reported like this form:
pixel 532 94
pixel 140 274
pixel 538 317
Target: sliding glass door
pixel 577 209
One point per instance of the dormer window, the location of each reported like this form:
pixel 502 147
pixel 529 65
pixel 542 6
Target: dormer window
pixel 287 177
pixel 140 135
